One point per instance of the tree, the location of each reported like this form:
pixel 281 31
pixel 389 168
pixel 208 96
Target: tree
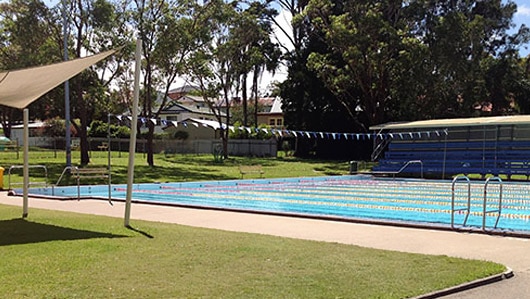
pixel 251 37
pixel 238 44
pixel 384 59
pixel 170 32
pixel 27 38
pixel 95 26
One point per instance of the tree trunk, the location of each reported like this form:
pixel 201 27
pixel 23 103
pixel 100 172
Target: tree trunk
pixel 150 152
pixel 82 129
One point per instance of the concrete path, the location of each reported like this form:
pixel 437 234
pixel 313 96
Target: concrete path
pixel 512 252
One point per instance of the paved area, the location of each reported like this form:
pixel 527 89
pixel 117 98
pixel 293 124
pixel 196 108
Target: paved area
pixel 512 252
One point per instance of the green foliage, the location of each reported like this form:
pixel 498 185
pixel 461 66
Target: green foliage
pixel 100 129
pixel 55 127
pixel 403 61
pixel 181 135
pixel 262 132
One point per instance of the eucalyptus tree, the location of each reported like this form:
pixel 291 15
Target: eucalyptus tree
pixel 460 37
pixel 238 45
pixel 396 59
pixel 27 38
pixel 213 66
pixel 170 32
pixel 94 26
pixel 307 103
pixel 251 36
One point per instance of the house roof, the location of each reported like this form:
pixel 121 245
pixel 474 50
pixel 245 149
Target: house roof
pixel 175 108
pixel 456 122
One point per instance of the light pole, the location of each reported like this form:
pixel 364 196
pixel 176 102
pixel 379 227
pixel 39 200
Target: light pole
pixel 67 137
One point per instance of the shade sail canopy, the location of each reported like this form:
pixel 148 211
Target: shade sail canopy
pixel 19 88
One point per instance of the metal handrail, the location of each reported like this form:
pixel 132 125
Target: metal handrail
pixel 393 173
pixel 484 210
pixel 77 174
pixel 380 147
pixel 62 175
pixel 468 207
pixel 45 183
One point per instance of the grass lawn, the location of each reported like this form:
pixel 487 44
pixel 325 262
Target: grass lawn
pixel 68 255
pixel 173 168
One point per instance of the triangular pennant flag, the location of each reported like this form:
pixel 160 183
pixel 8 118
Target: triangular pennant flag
pixel 195 124
pixel 248 129
pixel 391 135
pixel 185 124
pixel 294 133
pixel 130 118
pixel 175 123
pixel 119 117
pixel 400 135
pixel 153 120
pixel 308 135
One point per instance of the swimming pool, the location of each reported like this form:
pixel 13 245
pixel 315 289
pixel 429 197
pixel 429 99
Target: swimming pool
pixel 356 197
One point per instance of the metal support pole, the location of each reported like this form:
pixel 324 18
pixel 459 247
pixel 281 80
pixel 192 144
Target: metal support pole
pixel 26 165
pixel 134 128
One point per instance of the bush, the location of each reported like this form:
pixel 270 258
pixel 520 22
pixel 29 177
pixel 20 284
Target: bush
pixel 181 135
pixel 99 128
pixel 250 133
pixel 55 127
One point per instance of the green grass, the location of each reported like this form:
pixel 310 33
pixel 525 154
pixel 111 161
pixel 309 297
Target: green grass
pixel 173 168
pixel 67 255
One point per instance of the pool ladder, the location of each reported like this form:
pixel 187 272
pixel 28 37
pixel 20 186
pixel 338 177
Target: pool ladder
pixel 467 208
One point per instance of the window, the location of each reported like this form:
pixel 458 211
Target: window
pixel 279 122
pixel 272 122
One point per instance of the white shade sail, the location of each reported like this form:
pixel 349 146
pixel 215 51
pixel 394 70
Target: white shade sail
pixel 19 88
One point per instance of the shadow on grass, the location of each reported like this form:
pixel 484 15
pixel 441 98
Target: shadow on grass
pixel 20 231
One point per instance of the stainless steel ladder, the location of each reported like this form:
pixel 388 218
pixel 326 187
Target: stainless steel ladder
pixel 467 208
pixel 485 211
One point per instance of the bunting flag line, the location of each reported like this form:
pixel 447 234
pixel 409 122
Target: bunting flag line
pixel 284 133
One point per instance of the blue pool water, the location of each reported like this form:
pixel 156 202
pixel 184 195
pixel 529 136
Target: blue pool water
pixel 351 197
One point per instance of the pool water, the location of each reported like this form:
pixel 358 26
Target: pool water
pixel 350 197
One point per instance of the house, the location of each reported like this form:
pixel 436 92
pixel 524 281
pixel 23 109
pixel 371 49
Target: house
pixel 189 107
pixel 272 114
pixel 35 132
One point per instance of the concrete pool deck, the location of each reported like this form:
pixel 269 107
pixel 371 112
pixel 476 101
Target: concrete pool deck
pixel 512 252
